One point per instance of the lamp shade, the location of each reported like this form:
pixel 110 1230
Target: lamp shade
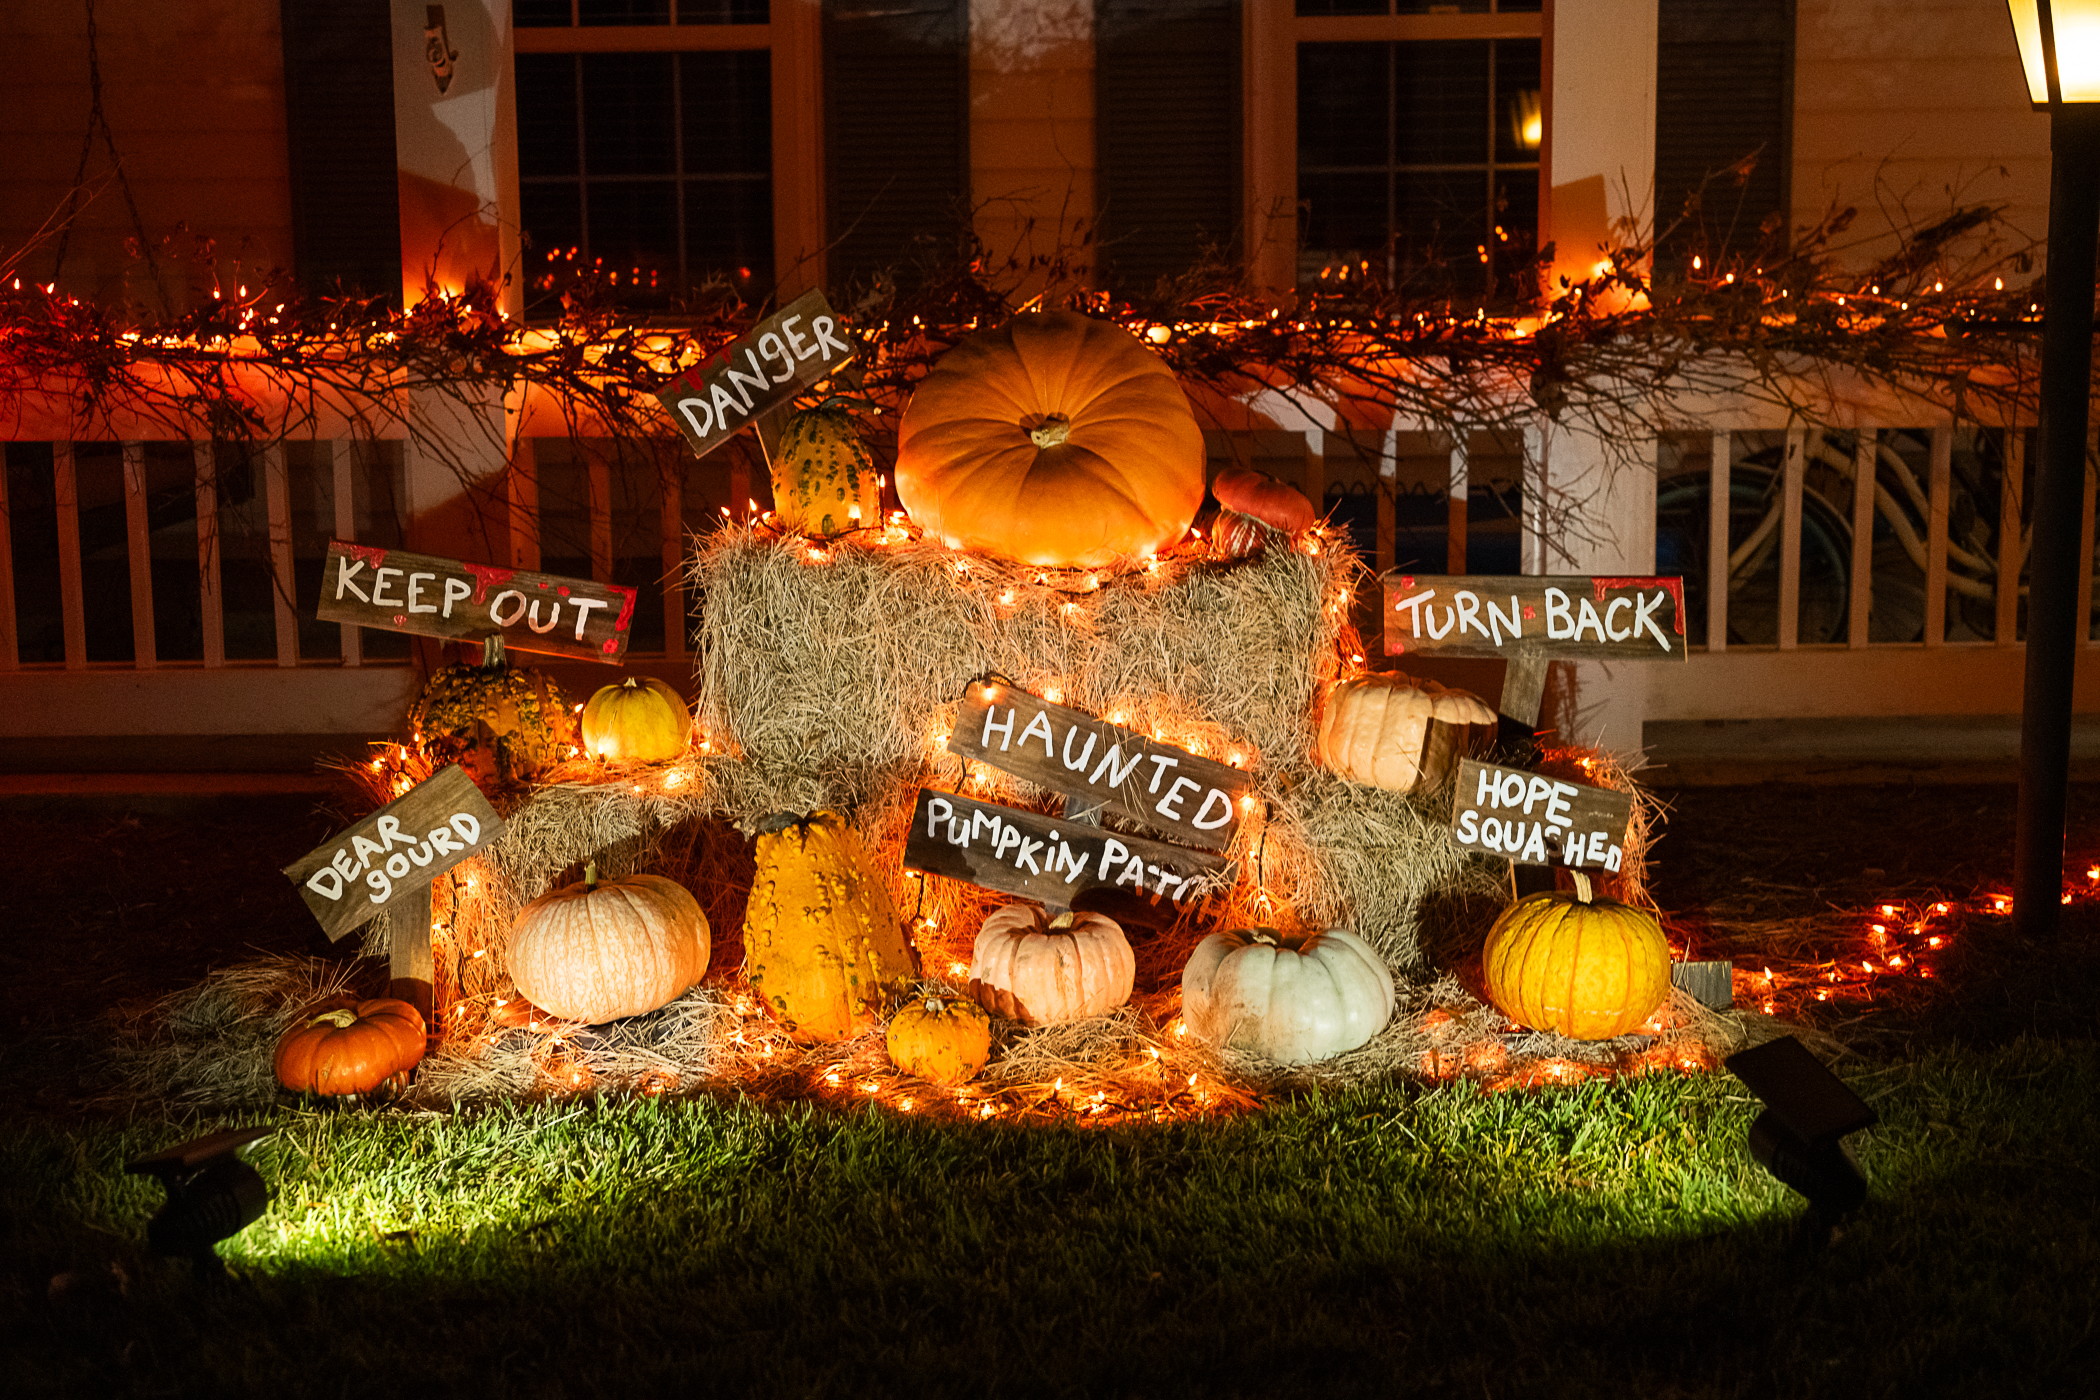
pixel 2072 29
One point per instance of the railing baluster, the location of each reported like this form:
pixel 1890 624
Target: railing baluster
pixel 1864 457
pixel 332 455
pixel 1460 490
pixel 2011 550
pixel 1790 537
pixel 1717 510
pixel 138 552
pixel 277 496
pixel 10 639
pixel 599 464
pixel 65 489
pixel 210 579
pixel 670 519
pixel 522 493
pixel 1941 494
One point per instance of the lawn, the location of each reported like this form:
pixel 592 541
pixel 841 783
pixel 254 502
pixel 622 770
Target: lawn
pixel 1606 1238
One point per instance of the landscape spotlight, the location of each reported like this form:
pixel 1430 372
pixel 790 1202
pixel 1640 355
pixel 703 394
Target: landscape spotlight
pixel 1799 1136
pixel 212 1194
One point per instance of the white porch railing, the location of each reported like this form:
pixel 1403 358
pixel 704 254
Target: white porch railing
pixel 1853 572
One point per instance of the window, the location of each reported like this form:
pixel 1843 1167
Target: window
pixel 1418 137
pixel 1723 102
pixel 645 148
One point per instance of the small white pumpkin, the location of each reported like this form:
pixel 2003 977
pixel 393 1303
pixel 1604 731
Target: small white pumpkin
pixel 1043 971
pixel 1392 731
pixel 606 948
pixel 1288 997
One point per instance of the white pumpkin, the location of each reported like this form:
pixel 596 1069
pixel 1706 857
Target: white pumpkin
pixel 1392 731
pixel 1291 998
pixel 1043 971
pixel 606 948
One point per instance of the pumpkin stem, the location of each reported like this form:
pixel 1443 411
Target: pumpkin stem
pixel 1582 887
pixel 933 1005
pixel 341 1019
pixel 590 876
pixel 1051 432
pixel 492 651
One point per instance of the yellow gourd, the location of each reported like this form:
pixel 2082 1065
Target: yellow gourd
pixel 823 946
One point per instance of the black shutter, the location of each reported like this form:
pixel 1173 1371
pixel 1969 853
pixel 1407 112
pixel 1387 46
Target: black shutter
pixel 1724 91
pixel 339 127
pixel 896 133
pixel 1167 134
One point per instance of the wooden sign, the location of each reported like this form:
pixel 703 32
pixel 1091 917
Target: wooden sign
pixel 1536 820
pixel 397 591
pixel 1625 619
pixel 1192 799
pixel 396 852
pixel 760 370
pixel 1062 863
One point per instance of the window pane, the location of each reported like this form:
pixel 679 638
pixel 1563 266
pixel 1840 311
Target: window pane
pixel 627 128
pixel 634 236
pixel 723 12
pixel 546 114
pixel 540 14
pixel 1440 107
pixel 1516 232
pixel 728 101
pixel 1441 216
pixel 309 467
pixel 553 223
pixel 171 544
pixel 1344 7
pixel 1342 104
pixel 729 233
pixel 105 558
pixel 1517 90
pixel 1345 216
pixel 1434 7
pixel 624 11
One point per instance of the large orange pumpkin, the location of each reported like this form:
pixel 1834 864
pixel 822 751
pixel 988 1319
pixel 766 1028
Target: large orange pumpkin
pixel 1057 440
pixel 1577 966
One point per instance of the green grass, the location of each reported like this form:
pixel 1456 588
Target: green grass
pixel 1608 1239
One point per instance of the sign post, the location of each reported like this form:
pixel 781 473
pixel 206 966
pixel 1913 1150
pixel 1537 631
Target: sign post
pixel 757 374
pixel 427 596
pixel 1533 620
pixel 1098 766
pixel 387 861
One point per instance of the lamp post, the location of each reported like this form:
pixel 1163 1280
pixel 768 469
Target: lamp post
pixel 2060 51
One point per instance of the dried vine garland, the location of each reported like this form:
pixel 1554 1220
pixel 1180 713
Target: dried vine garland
pixel 1929 319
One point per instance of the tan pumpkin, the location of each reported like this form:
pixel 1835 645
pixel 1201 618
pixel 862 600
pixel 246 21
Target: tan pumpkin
pixel 351 1049
pixel 1577 965
pixel 603 949
pixel 1288 997
pixel 638 720
pixel 823 946
pixel 1057 440
pixel 944 1039
pixel 1390 731
pixel 1042 971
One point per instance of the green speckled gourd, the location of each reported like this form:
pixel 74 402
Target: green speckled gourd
pixel 824 481
pixel 823 946
pixel 504 725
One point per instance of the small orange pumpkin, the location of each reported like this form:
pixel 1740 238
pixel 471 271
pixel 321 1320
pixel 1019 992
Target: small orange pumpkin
pixel 351 1050
pixel 1250 504
pixel 1057 440
pixel 944 1039
pixel 1576 965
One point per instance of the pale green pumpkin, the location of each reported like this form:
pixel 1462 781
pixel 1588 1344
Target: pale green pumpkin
pixel 824 481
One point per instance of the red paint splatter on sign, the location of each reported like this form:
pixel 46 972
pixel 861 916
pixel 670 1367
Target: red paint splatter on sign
pixel 1675 587
pixel 487 576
